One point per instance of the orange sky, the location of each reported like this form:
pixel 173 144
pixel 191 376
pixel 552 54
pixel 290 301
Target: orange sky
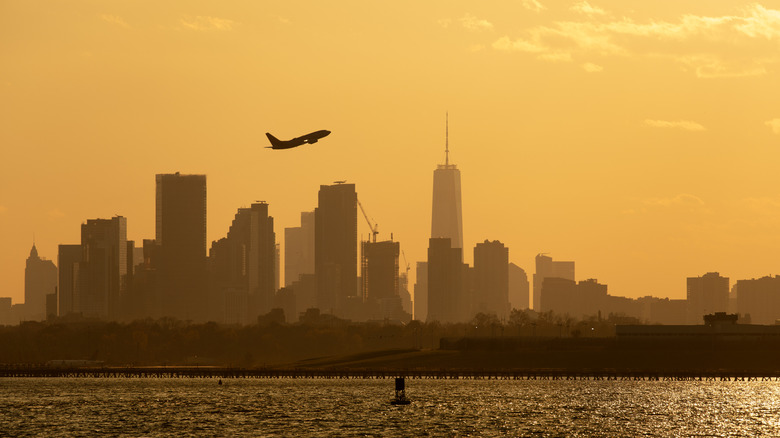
pixel 639 139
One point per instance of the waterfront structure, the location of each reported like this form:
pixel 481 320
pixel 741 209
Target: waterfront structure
pixel 181 235
pixel 519 288
pixel 102 270
pixel 446 218
pixel 68 261
pixel 299 249
pixel 335 247
pixel 40 279
pixel 491 279
pixel 707 294
pixel 244 263
pixel 446 292
pixel 546 267
pixel 717 326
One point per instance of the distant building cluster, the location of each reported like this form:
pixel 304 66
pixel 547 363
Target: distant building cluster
pixel 110 278
pixel 328 272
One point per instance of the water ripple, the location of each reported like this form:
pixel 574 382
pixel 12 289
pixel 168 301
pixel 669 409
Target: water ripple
pixel 247 407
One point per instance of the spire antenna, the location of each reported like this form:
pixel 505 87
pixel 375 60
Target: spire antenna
pixel 447 139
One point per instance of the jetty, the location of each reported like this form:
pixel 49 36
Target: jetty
pixel 203 372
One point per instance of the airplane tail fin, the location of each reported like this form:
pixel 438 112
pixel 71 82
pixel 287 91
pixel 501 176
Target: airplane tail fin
pixel 274 141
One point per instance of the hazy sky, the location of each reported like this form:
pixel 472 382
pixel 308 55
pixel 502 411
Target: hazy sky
pixel 640 139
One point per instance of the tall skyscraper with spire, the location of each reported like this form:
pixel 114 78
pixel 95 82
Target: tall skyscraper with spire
pixel 446 220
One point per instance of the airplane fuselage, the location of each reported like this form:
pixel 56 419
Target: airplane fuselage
pixel 297 141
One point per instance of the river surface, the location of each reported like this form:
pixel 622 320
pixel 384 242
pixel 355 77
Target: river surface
pixel 289 407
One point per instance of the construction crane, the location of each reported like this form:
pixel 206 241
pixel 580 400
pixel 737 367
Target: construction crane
pixel 407 266
pixel 373 227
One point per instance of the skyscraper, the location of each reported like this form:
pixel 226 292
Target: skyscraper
pixel 379 275
pixel 760 299
pixel 446 218
pixel 706 294
pixel 181 234
pixel 103 267
pixel 40 279
pixel 243 263
pixel 335 247
pixel 491 279
pixel 518 288
pixel 68 260
pixel 421 292
pixel 380 270
pixel 299 249
pixel 547 268
pixel 446 294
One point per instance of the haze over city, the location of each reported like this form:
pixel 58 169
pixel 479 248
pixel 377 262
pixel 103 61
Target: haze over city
pixel 639 142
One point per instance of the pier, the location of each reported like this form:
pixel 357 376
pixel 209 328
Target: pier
pixel 450 374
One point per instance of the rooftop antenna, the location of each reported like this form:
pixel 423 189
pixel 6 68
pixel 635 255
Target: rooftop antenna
pixel 447 139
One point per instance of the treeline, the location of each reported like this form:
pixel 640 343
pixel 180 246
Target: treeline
pixel 268 342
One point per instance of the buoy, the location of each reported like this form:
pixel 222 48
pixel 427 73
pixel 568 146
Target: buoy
pixel 400 392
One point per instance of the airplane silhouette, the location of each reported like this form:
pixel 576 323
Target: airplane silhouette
pixel 308 138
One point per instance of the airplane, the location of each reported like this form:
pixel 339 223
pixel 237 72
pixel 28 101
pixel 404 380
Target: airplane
pixel 308 138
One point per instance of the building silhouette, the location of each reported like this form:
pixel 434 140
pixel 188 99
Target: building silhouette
pixel 243 267
pixel 103 267
pixel 379 270
pixel 68 260
pixel 285 300
pixel 335 248
pixel 5 311
pixel 277 268
pixel 666 311
pixel 589 298
pixel 759 299
pixel 143 296
pixel 446 287
pixel 299 249
pixel 491 279
pixel 446 218
pixel 380 277
pixel 559 295
pixel 181 234
pixel 592 298
pixel 421 292
pixel 305 291
pixel 519 288
pixel 407 304
pixel 40 279
pixel 706 294
pixel 547 268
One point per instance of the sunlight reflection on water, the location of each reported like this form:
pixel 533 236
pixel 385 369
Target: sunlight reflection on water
pixel 287 407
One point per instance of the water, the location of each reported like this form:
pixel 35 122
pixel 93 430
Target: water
pixel 288 407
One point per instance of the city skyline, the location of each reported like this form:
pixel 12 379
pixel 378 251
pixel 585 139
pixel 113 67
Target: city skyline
pixel 643 161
